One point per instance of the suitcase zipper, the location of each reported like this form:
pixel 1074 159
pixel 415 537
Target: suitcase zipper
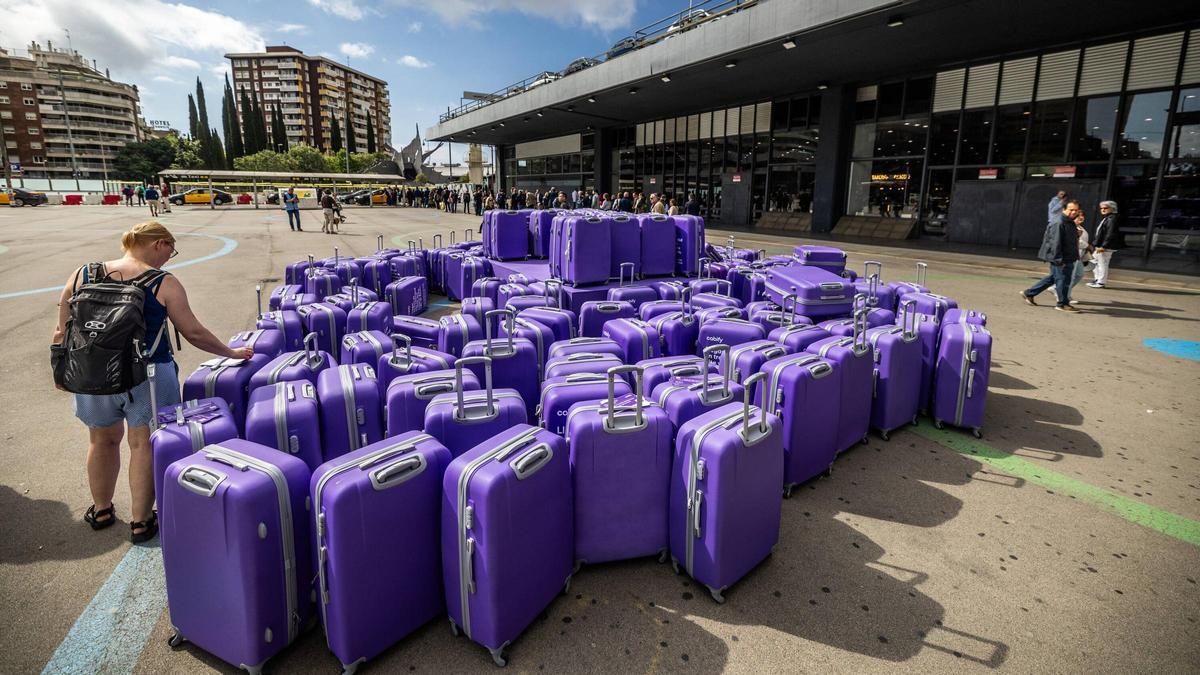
pixel 962 376
pixel 347 381
pixel 466 576
pixel 281 417
pixel 286 533
pixel 694 496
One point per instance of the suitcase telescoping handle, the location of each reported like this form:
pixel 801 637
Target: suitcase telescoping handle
pixel 398 338
pixel 873 265
pixel 378 243
pixel 258 296
pixel 762 426
pixel 310 348
pixel 558 292
pixel 487 327
pixel 153 397
pixel 908 319
pixel 922 269
pixel 437 241
pixel 336 256
pixel 860 345
pixel 873 290
pixel 790 313
pixel 710 353
pixel 621 273
pixel 705 272
pixel 638 417
pixel 727 284
pixel 487 382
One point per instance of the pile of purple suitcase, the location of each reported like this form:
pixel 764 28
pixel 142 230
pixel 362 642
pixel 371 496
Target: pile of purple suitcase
pixel 373 470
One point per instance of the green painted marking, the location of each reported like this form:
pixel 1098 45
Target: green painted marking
pixel 3 249
pixel 1165 522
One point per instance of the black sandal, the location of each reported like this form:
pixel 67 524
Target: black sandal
pixel 148 527
pixel 93 517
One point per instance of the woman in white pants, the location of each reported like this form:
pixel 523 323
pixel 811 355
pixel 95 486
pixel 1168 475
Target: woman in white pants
pixel 1108 239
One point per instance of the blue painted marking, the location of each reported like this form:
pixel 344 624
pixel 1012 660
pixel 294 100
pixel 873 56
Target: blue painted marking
pixel 225 250
pixel 112 631
pixel 1184 349
pixel 439 304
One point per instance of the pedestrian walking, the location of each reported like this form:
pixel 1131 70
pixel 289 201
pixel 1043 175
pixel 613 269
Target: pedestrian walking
pixel 291 206
pixel 128 192
pixel 327 211
pixel 657 206
pixel 1060 251
pixel 151 198
pixel 164 202
pixel 1108 240
pixel 1084 263
pixel 674 209
pixel 1057 202
pixel 692 207
pixel 140 191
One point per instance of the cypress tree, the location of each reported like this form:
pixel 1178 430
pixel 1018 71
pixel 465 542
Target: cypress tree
pixel 335 134
pixel 260 121
pixel 351 142
pixel 201 107
pixel 370 135
pixel 193 121
pixel 217 155
pixel 249 147
pixel 233 134
pixel 277 130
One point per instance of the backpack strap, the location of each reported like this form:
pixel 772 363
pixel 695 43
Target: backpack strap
pixel 150 280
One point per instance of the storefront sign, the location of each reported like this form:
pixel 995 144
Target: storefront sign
pixel 737 178
pixel 989 174
pixel 653 180
pixel 1064 172
pixel 15 167
pixel 887 177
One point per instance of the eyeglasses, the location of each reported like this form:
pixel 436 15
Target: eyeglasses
pixel 174 251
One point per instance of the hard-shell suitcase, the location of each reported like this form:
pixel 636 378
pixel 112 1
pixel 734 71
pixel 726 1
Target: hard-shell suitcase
pixel 364 347
pixel 658 244
pixel 876 315
pixel 292 366
pixel 929 330
pixel 516 362
pixel 280 292
pixel 586 249
pixel 621 474
pixel 916 286
pixel 326 321
pixel 510 235
pixel 747 358
pixel 422 332
pixel 825 257
pixel 507 534
pixel 286 321
pixel 524 302
pixel 760 306
pixel 293 273
pixel 705 282
pixel 321 282
pixel 815 292
pixel 456 331
pixel 677 332
pixel 683 397
pixel 627 292
pixel 708 300
pixel 268 341
pixel 540 222
pixel 729 332
pixel 749 284
pixel 713 313
pixel 183 429
pixel 406 266
pixel 594 313
pixel 408 295
pixel 228 379
pixel 462 276
pixel 462 420
pixel 930 303
pixel 561 322
pixel 293 301
pixel 878 293
pixel 626 247
pixel 374 315
pixel 351 409
pixel 637 338
pixel 343 301
pixel 897 383
pixel 958 315
pixel 855 363
pixel 404 359
pixel 804 392
pixel 371 595
pixel 659 370
pixel 347 269
pixel 964 362
pixel 518 278
pixel 286 416
pixel 649 310
pixel 689 244
pixel 770 319
pixel 560 393
pixel 507 292
pixel 798 336
pixel 580 345
pixel 408 396
pixel 579 362
pixel 669 289
pixel 536 332
pixel 839 327
pixel 725 509
pixel 377 274
pixel 236 551
pixel 485 287
pixel 477 307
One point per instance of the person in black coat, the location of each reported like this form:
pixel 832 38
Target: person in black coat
pixel 1107 241
pixel 1060 249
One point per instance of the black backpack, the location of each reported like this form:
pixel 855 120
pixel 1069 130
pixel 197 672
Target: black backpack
pixel 104 348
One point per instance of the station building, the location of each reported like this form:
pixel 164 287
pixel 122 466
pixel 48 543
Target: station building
pixel 945 121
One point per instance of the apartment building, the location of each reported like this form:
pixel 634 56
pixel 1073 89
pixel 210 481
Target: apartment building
pixel 310 91
pixel 52 99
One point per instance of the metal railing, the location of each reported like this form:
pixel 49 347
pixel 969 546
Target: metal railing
pixel 700 13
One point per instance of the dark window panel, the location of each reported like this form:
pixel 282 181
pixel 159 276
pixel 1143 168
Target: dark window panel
pixel 975 137
pixel 799 112
pixel 943 137
pixel 779 115
pixel 891 96
pixel 1143 126
pixel 918 96
pixel 1095 123
pixel 1048 131
pixel 1012 126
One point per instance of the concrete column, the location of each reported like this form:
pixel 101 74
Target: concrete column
pixel 605 140
pixel 498 169
pixel 833 157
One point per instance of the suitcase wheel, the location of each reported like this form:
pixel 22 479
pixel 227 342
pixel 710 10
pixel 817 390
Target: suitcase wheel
pixel 716 595
pixel 882 434
pixel 914 420
pixel 787 491
pixel 675 566
pixel 575 568
pixel 175 640
pixel 662 556
pixel 453 628
pixel 350 669
pixel 567 586
pixel 866 440
pixel 498 657
pixel 977 432
pixel 937 424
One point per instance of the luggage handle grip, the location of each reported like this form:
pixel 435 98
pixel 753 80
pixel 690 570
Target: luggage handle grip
pixel 531 461
pixel 487 324
pixel 399 471
pixel 467 234
pixel 728 286
pixel 424 391
pixel 412 246
pixel 258 295
pixel 310 342
pixel 873 264
pixel 451 237
pixel 639 418
pixel 908 319
pixel 378 243
pixel 201 481
pixel 705 272
pixel 397 338
pixel 762 427
pixel 970 382
pixel 860 345
pixel 229 461
pixel 922 270
pixel 608 307
pixel 873 290
pixel 708 352
pixel 460 412
pixel 621 274
pixel 437 241
pixel 791 313
pixel 556 284
pixel 696 513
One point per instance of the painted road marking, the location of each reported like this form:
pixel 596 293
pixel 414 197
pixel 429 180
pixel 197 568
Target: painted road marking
pixel 3 249
pixel 1165 522
pixel 112 631
pixel 1184 349
pixel 229 245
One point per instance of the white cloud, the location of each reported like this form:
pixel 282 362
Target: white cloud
pixel 179 62
pixel 161 78
pixel 356 50
pixel 415 27
pixel 412 62
pixel 347 9
pixel 219 69
pixel 292 28
pixel 599 14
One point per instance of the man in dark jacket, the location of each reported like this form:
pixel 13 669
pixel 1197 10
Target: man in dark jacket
pixel 625 204
pixel 1107 240
pixel 1060 248
pixel 692 207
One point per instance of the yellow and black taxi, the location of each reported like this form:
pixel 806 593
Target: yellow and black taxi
pixel 201 196
pixel 22 197
pixel 364 197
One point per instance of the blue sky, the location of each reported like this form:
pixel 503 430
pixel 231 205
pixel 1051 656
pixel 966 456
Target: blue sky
pixel 429 52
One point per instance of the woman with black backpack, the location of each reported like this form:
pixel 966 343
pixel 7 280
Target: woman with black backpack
pixel 109 348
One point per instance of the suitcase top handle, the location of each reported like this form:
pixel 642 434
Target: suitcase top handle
pixel 639 420
pixel 750 435
pixel 710 353
pixel 487 328
pixel 201 480
pixel 461 411
pixel 401 470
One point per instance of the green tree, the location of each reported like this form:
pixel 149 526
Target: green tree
pixel 201 107
pixel 193 121
pixel 263 160
pixel 249 139
pixel 260 122
pixel 277 130
pixel 142 161
pixel 229 121
pixel 370 135
pixel 306 159
pixel 421 178
pixel 351 140
pixel 216 152
pixel 187 153
pixel 335 134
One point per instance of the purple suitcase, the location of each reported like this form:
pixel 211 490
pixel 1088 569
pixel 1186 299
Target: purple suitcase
pixel 878 293
pixel 292 366
pixel 580 345
pixel 586 250
pixel 815 292
pixel 485 287
pixel 580 362
pixel 930 303
pixel 236 551
pixel 749 284
pixel 710 300
pixel 638 339
pixel 326 321
pixel 408 360
pixel 366 346
pixel 839 327
pixel 456 331
pixel 536 332
pixel 855 363
pixel 408 295
pixel 798 336
pixel 321 282
pixel 377 274
pixel 897 383
pixel 964 361
pixel 540 222
pixel 294 272
pixel 594 313
pixel 759 306
pixel 748 358
pixel 659 370
pixel 509 235
pixel 669 289
pixel 621 474
pixel 294 301
pixel 725 509
pixel 686 396
pixel 634 295
pixel 560 393
pixel 626 246
pixel 677 332
pixel 288 322
pixel 422 332
pixel 351 409
pixel 957 315
pixel 373 315
pixel 929 330
pixel 916 286
pixel 184 429
pixel 373 596
pixel 826 257
pixel 345 268
pixel 515 362
pixel 268 341
pixel 523 302
pixel 461 420
pixel 802 390
pixel 507 292
pixel 658 244
pixel 689 244
pixel 728 332
pixel 228 379
pixel 462 276
pixel 649 310
pixel 706 282
pixel 561 322
pixel 876 316
pixel 279 293
pixel 406 266
pixel 507 534
pixel 343 301
pixel 477 307
pixel 713 313
pixel 770 319
pixel 518 278
pixel 409 395
pixel 286 416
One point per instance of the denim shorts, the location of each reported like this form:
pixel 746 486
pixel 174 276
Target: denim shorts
pixel 105 410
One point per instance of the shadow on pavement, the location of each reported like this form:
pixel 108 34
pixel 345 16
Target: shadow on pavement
pixel 34 530
pixel 1039 426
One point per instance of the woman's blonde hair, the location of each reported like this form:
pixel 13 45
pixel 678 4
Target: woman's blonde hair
pixel 144 234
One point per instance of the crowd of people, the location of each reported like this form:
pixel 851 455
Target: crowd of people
pixel 1071 252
